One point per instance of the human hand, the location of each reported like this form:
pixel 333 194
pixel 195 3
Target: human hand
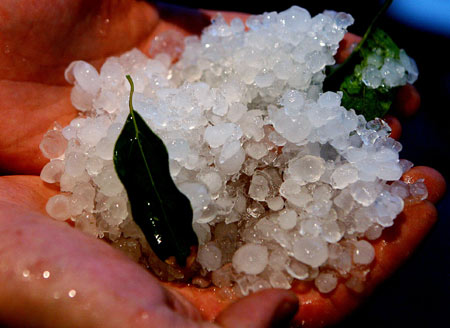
pixel 52 275
pixel 85 265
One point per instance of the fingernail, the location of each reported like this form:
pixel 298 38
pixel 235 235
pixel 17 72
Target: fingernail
pixel 285 311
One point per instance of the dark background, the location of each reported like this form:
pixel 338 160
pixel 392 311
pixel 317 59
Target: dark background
pixel 417 295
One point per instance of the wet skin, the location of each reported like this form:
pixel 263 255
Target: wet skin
pixel 89 284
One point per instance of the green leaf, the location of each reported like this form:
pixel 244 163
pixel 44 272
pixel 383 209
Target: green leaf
pixel 365 100
pixel 162 212
pixel 347 77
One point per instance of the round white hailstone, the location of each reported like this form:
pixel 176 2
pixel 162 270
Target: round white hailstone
pixel 297 270
pixel 220 107
pixel 114 131
pixel 325 282
pixel 82 198
pixel 363 252
pixel 236 111
pixel 85 75
pixel 209 256
pixel 67 182
pixel 307 168
pixel 278 279
pixel 322 193
pixel 212 180
pixel 91 133
pixel 293 102
pixel 58 207
pixel 344 201
pixel 343 176
pixel 287 219
pixel 203 232
pixel 75 163
pixel 94 165
pixel 331 232
pixel 229 150
pixel 105 148
pixel 400 189
pixel 108 182
pixel 197 193
pixel 53 144
pixel 52 171
pixel 275 203
pixel 178 149
pixel 371 77
pixel 222 277
pixel 329 100
pixel 310 250
pixel 410 65
pixel 276 139
pixel 217 135
pixel 232 164
pixel 266 228
pixel 259 188
pixel 264 79
pixel 256 150
pixel 296 19
pixel 112 72
pixel 278 259
pixel 343 20
pixel 294 131
pixel 290 187
pixel 69 132
pixel 374 232
pixel 385 221
pixel 389 171
pixel 252 123
pixel 170 42
pixel 310 227
pixel 118 210
pixel 294 193
pixel 250 259
pixel 418 190
pixel 364 193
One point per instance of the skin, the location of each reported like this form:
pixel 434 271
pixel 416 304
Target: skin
pixel 52 275
pixel 394 124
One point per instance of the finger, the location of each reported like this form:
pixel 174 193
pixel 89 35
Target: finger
pixel 267 308
pixel 319 310
pixel 31 109
pixel 28 192
pixel 407 101
pixel 187 21
pixel 227 15
pixel 434 181
pixel 391 249
pixel 43 37
pixel 52 275
pixel 346 47
pixel 394 124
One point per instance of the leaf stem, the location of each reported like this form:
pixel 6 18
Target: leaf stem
pixel 130 102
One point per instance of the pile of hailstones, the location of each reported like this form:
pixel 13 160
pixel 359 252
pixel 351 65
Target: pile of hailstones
pixel 284 182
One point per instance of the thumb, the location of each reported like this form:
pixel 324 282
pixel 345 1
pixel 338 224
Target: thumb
pixel 267 308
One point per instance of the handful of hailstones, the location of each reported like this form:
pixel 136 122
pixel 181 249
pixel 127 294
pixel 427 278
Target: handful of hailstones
pixel 284 182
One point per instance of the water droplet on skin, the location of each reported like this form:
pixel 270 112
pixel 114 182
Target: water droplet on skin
pixel 46 274
pixel 56 295
pixel 72 293
pixel 26 273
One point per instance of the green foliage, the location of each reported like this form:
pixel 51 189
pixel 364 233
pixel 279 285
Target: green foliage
pixel 364 100
pixel 163 213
